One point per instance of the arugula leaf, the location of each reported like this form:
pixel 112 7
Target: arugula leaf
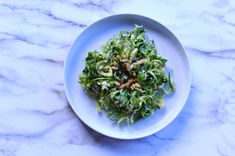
pixel 127 77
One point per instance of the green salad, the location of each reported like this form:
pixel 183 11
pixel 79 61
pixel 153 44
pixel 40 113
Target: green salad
pixel 127 77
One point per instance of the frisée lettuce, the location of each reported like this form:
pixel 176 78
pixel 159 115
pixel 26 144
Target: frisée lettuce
pixel 127 77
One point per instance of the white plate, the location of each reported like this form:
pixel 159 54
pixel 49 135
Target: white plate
pixel 99 33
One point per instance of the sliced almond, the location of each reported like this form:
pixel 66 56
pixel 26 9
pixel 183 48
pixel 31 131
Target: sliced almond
pixel 117 83
pixel 137 85
pixel 114 68
pixel 128 66
pixel 118 57
pixel 134 74
pixel 114 64
pixel 122 86
pixel 142 61
pixel 131 81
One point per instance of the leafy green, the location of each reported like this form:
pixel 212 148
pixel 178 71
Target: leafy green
pixel 127 77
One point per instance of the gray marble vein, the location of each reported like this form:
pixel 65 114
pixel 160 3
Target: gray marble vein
pixel 35 117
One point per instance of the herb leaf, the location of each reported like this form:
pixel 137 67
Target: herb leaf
pixel 127 77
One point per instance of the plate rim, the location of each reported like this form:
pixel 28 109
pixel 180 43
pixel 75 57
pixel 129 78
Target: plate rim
pixel 149 132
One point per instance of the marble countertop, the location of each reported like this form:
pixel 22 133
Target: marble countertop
pixel 35 117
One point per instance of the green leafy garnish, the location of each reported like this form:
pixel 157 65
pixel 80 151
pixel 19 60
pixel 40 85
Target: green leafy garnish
pixel 127 77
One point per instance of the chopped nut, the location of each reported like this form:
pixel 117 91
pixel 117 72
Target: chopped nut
pixel 134 74
pixel 122 86
pixel 117 83
pixel 132 81
pixel 124 60
pixel 128 66
pixel 137 85
pixel 123 56
pixel 118 57
pixel 133 86
pixel 142 61
pixel 114 68
pixel 127 84
pixel 114 64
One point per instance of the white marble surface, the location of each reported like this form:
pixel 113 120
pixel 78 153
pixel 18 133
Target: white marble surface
pixel 35 118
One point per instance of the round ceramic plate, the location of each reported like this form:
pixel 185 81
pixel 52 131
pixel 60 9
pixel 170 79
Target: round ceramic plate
pixel 96 35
